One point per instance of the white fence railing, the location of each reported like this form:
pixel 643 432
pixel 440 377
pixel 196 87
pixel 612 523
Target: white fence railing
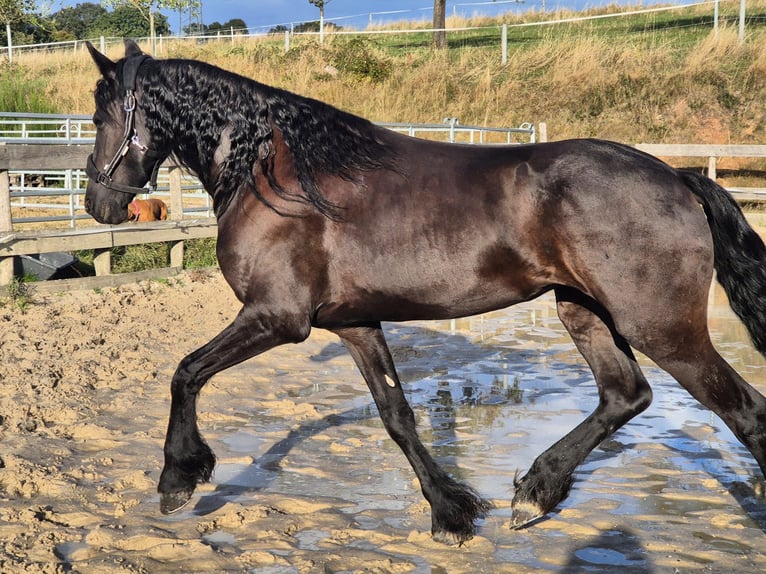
pixel 372 23
pixel 19 127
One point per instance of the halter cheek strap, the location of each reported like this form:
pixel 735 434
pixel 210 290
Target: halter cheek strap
pixel 130 136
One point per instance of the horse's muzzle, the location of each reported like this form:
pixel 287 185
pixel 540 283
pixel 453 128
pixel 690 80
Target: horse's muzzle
pixel 105 211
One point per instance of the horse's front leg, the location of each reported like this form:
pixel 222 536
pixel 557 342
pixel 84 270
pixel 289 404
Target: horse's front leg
pixel 188 459
pixel 454 506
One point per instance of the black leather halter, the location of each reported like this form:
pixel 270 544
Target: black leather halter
pixel 104 178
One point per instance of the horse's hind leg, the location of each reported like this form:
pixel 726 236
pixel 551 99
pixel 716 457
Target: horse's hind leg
pixel 623 393
pixel 454 507
pixel 714 383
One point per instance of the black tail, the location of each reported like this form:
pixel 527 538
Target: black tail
pixel 740 255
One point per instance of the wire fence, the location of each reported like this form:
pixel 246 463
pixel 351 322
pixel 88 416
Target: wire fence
pixel 372 24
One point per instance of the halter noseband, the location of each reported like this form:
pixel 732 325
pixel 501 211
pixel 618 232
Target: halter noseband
pixel 104 178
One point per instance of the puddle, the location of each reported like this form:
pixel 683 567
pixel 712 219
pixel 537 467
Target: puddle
pixel 491 393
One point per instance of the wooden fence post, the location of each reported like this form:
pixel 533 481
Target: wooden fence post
pixel 6 225
pixel 102 261
pixel 711 167
pixel 176 214
pixel 542 132
pixel 504 44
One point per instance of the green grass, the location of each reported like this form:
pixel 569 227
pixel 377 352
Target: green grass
pixel 678 27
pixel 198 254
pixel 19 93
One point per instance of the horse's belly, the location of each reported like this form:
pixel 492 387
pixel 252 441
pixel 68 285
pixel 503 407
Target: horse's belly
pixel 427 301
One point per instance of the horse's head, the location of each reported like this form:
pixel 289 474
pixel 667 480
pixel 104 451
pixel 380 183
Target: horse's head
pixel 123 159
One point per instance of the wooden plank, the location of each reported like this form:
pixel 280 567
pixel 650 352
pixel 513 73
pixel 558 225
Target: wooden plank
pixel 703 150
pixel 62 285
pixel 176 194
pixel 26 243
pixel 44 156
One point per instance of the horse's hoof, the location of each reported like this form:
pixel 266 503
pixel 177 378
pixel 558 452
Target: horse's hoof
pixel 524 514
pixel 171 502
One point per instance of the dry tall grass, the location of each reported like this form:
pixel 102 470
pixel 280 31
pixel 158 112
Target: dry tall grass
pixel 648 88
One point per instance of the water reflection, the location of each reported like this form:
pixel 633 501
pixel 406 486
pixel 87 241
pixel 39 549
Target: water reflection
pixel 490 394
pixel 612 549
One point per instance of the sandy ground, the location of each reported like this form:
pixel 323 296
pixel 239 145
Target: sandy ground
pixel 307 479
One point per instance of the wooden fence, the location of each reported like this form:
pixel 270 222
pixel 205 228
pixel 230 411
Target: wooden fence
pixel 176 230
pixel 101 238
pixel 712 152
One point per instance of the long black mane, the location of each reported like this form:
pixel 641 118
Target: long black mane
pixel 189 104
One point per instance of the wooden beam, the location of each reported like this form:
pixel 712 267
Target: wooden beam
pixel 104 237
pixel 62 285
pixel 703 150
pixel 176 194
pixel 44 156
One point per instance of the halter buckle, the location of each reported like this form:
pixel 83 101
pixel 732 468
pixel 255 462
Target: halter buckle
pixel 137 142
pixel 130 101
pixel 103 179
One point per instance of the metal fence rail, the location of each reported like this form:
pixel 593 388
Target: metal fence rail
pixel 17 127
pixel 56 196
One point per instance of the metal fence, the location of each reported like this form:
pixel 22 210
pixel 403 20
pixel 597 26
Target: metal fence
pixel 18 127
pixel 56 196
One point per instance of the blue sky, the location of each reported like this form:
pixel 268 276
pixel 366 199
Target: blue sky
pixel 260 15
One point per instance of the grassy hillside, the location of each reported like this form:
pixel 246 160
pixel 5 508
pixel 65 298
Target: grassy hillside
pixel 659 77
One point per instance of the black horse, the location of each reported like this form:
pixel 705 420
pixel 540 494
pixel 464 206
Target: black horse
pixel 325 220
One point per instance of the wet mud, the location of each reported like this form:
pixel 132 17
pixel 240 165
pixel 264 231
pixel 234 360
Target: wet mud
pixel 307 479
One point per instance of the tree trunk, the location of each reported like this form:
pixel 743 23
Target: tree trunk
pixel 440 23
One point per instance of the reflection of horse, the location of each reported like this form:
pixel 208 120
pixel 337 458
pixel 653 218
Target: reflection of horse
pixel 328 221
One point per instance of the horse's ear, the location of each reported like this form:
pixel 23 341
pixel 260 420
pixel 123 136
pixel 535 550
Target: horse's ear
pixel 105 65
pixel 131 48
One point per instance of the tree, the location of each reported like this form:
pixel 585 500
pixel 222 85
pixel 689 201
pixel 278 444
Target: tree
pixel 148 9
pixel 76 21
pixel 127 22
pixel 440 23
pixel 321 4
pixel 237 24
pixel 12 11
